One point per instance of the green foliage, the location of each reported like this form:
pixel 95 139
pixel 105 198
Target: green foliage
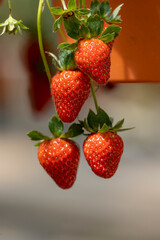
pixel 71 4
pixel 66 58
pixel 95 25
pixel 56 126
pixel 35 135
pixel 74 130
pixel 57 24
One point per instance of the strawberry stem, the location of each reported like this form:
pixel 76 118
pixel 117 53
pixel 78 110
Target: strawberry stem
pixel 9 4
pixel 94 95
pixel 41 3
pixel 83 3
pixel 54 20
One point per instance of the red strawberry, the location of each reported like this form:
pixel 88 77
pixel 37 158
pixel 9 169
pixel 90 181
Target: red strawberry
pixel 93 58
pixel 70 90
pixel 103 152
pixel 60 158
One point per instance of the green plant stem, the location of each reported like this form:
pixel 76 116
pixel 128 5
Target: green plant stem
pixel 83 3
pixel 54 18
pixel 94 95
pixel 41 2
pixel 9 5
pixel 80 3
pixel 64 4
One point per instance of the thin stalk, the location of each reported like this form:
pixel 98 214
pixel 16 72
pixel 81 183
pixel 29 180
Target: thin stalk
pixel 83 3
pixel 54 18
pixel 80 3
pixel 64 4
pixel 94 95
pixel 41 2
pixel 9 5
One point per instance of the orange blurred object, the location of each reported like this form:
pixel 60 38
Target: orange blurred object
pixel 136 52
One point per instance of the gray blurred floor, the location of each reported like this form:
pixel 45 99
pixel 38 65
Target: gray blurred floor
pixel 126 206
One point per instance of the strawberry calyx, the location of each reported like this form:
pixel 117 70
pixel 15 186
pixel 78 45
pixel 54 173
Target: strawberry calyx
pixel 101 122
pixel 56 127
pixel 64 61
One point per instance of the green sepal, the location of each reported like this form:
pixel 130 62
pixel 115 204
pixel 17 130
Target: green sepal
pixel 82 12
pixel 38 144
pixel 66 58
pixel 84 31
pixel 57 11
pixel 55 61
pixel 102 117
pixel 92 120
pixel 94 6
pixel 87 127
pixel 95 25
pixel 104 128
pixel 119 124
pixel 68 46
pixel 112 29
pixel 35 136
pixel 124 129
pixel 72 25
pixel 114 17
pixel 71 4
pixel 56 126
pixel 104 8
pixel 57 24
pixel 107 38
pixel 74 130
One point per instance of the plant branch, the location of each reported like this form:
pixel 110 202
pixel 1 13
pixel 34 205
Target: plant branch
pixel 94 95
pixel 41 3
pixel 54 18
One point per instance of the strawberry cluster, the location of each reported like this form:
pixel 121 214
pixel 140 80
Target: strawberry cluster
pixel 86 60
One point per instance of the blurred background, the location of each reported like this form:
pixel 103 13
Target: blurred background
pixel 127 206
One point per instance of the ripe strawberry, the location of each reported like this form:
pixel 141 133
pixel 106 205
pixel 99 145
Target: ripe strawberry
pixel 93 58
pixel 103 152
pixel 60 158
pixel 70 90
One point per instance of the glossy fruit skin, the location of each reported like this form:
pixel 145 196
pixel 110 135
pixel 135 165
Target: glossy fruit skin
pixel 93 58
pixel 70 90
pixel 103 152
pixel 60 158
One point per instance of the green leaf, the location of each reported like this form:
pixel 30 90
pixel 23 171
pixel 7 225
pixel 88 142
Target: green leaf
pixel 35 135
pixel 57 24
pixel 92 120
pixel 38 144
pixel 95 25
pixel 57 11
pixel 55 60
pixel 72 25
pixel 56 126
pixel 104 8
pixel 103 117
pixel 111 29
pixel 119 124
pixel 104 128
pixel 87 127
pixel 94 5
pixel 116 11
pixel 74 130
pixel 124 129
pixel 68 46
pixel 82 11
pixel 71 4
pixel 107 38
pixel 66 58
pixel 84 31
